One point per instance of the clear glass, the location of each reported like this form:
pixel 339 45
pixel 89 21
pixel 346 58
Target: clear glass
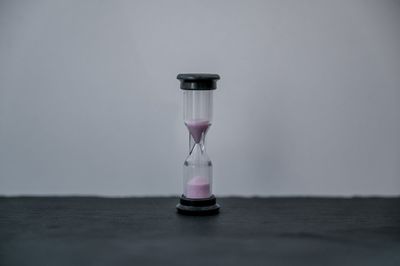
pixel 197 169
pixel 197 105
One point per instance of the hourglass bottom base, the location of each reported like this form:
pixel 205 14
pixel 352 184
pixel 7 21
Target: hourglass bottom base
pixel 207 206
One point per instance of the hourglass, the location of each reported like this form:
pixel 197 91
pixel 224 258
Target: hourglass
pixel 197 198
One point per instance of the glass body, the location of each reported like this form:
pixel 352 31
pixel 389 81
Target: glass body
pixel 197 169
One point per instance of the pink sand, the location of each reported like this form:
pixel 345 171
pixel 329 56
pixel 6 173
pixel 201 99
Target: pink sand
pixel 197 128
pixel 198 188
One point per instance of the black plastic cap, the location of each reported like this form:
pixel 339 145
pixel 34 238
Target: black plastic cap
pixel 198 81
pixel 198 207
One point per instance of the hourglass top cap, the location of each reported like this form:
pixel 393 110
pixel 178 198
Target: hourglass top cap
pixel 198 81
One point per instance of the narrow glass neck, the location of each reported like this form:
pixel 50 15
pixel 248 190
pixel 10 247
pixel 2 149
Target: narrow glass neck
pixel 201 143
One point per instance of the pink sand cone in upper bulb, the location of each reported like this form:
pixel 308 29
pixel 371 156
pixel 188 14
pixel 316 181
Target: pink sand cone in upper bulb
pixel 198 188
pixel 197 128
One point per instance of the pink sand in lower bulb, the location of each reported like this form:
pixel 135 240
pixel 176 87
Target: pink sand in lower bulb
pixel 198 188
pixel 197 128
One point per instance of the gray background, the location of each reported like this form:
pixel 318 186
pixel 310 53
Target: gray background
pixel 308 103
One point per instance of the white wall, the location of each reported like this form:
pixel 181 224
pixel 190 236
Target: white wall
pixel 308 103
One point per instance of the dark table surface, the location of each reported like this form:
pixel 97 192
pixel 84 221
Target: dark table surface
pixel 148 231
